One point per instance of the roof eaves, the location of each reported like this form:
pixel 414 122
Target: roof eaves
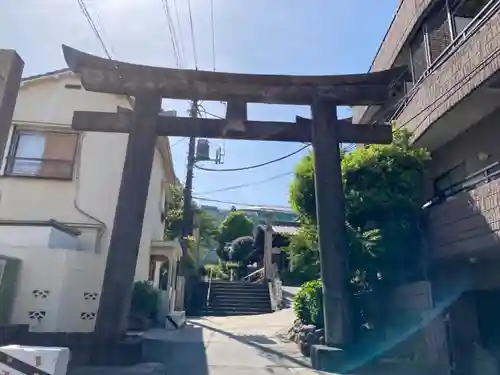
pixel 48 74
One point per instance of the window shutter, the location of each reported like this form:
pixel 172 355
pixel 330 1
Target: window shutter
pixel 58 154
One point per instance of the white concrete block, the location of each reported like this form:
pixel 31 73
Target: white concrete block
pixel 51 360
pixel 175 320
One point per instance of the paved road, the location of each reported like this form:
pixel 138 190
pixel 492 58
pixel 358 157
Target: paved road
pixel 229 345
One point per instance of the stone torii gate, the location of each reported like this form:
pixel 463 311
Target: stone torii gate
pixel 148 85
pixel 11 69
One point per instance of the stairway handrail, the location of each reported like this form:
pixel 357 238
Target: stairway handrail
pixel 260 270
pixel 209 285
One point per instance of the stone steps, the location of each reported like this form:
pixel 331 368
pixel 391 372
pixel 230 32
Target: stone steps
pixel 229 298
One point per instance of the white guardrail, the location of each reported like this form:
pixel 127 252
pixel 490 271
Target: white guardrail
pixel 29 360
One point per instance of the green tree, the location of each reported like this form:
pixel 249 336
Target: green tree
pixel 174 216
pixel 303 256
pixel 208 229
pixel 235 225
pixel 173 212
pixel 242 249
pixel 383 191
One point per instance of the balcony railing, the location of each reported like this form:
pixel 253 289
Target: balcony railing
pixel 463 219
pixel 471 182
pixel 492 7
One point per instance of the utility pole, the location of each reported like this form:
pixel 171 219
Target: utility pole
pixel 187 215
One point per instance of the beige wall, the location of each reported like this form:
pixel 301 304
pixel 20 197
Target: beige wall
pixel 98 169
pixel 469 222
pixel 66 278
pixel 481 138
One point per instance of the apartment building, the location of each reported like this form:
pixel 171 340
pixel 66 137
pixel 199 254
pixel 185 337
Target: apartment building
pixel 58 194
pixel 451 104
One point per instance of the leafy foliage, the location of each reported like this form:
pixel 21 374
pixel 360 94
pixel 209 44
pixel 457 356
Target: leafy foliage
pixel 383 192
pixel 242 249
pixel 235 225
pixel 188 263
pixel 303 256
pixel 217 271
pixel 144 300
pixel 308 303
pixel 173 216
pixel 383 187
pixel 173 220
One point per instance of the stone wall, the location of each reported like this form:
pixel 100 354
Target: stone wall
pixel 468 223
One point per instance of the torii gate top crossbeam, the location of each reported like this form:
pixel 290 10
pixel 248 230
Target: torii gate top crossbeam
pixel 109 76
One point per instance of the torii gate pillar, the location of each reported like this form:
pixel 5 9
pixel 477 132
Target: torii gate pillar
pixel 11 69
pixel 330 214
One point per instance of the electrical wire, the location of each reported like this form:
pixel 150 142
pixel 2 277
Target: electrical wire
pixel 243 204
pixel 96 32
pixel 193 39
pixel 179 141
pixel 173 37
pixel 234 187
pixel 103 31
pixel 93 27
pixel 253 166
pixel 202 108
pixel 181 37
pixel 213 31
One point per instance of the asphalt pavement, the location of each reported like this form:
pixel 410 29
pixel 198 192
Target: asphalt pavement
pixel 238 345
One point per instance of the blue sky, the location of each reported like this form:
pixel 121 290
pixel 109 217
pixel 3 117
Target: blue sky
pixel 251 36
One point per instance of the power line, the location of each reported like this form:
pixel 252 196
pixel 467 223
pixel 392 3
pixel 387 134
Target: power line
pixel 173 37
pixel 253 166
pixel 242 204
pixel 93 27
pixel 181 37
pixel 213 30
pixel 209 113
pixel 95 30
pixel 179 141
pixel 193 39
pixel 248 184
pixel 103 31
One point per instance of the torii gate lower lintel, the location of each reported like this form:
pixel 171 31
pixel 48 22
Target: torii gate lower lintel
pixel 150 84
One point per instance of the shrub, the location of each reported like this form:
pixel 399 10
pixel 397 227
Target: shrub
pixel 144 300
pixel 218 271
pixel 308 303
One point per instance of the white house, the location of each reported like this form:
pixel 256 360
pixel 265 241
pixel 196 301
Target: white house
pixel 58 193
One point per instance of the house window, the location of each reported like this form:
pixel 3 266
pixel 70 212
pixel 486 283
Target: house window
pixel 42 154
pixel 418 55
pixel 451 181
pixel 438 32
pixel 464 11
